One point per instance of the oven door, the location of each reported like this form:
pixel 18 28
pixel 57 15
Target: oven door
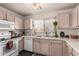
pixel 9 52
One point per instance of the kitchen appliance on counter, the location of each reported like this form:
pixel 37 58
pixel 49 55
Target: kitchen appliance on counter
pixel 62 34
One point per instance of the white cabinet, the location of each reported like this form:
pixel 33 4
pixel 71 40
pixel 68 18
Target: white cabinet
pixel 63 20
pixel 56 48
pixel 36 45
pixel 28 43
pixel 10 17
pixel 28 24
pixel 2 15
pixel 65 49
pixel 48 47
pixel 44 47
pixel 75 18
pixel 21 44
pixel 18 23
pixel 69 50
pixel 78 14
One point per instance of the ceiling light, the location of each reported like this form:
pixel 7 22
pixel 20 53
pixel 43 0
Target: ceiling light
pixel 36 6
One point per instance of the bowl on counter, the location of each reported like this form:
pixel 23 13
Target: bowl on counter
pixel 74 36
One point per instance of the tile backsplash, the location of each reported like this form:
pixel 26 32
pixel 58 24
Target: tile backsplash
pixel 70 31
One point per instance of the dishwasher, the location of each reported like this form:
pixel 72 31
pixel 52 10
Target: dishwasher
pixel 28 43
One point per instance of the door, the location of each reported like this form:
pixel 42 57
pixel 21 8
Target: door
pixel 56 48
pixel 45 47
pixel 36 46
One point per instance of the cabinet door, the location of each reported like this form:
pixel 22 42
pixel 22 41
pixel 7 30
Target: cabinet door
pixel 2 15
pixel 45 47
pixel 36 46
pixel 18 23
pixel 63 20
pixel 56 48
pixel 69 50
pixel 65 49
pixel 28 24
pixel 21 44
pixel 10 17
pixel 74 18
pixel 78 14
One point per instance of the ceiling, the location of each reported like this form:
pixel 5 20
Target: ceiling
pixel 27 9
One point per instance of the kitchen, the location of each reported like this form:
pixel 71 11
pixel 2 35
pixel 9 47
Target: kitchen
pixel 49 29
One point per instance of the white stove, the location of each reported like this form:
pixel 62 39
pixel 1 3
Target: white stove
pixel 7 52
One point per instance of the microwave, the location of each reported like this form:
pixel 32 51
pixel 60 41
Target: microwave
pixel 6 25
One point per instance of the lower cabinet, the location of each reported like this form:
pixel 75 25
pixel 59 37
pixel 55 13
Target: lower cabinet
pixel 67 49
pixel 21 44
pixel 36 46
pixel 53 47
pixel 45 47
pixel 48 47
pixel 56 48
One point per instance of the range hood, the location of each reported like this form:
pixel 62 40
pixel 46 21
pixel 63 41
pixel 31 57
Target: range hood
pixel 6 25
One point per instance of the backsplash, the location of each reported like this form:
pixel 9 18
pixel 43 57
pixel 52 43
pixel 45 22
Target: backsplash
pixel 70 31
pixel 66 31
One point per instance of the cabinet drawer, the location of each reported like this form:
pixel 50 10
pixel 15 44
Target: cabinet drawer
pixel 56 41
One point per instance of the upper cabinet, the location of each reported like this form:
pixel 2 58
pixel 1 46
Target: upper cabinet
pixel 63 20
pixel 2 15
pixel 78 15
pixel 10 17
pixel 18 23
pixel 28 24
pixel 75 17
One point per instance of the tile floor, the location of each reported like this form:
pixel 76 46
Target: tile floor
pixel 27 53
